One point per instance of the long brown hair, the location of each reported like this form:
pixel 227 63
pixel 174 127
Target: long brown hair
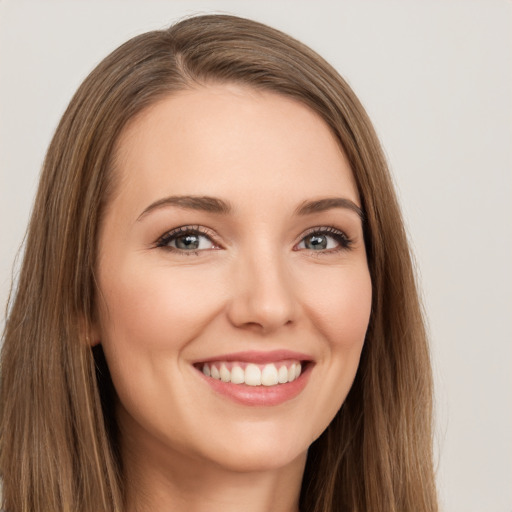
pixel 58 444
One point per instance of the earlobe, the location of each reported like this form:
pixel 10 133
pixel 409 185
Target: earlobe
pixel 92 332
pixel 93 341
pixel 93 337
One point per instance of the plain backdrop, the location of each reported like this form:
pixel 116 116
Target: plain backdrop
pixel 436 78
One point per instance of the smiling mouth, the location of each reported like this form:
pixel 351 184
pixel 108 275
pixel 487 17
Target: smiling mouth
pixel 251 374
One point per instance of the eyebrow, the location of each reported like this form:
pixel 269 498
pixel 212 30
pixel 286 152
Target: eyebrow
pixel 321 205
pixel 202 203
pixel 219 206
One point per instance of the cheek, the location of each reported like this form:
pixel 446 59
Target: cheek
pixel 340 311
pixel 340 306
pixel 156 308
pixel 149 315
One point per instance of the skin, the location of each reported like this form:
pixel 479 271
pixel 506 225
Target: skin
pixel 254 284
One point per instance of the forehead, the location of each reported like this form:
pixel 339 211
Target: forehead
pixel 230 140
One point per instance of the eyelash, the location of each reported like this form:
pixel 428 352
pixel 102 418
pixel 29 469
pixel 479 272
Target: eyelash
pixel 343 240
pixel 163 242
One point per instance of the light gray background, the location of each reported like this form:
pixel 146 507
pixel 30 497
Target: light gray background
pixel 436 79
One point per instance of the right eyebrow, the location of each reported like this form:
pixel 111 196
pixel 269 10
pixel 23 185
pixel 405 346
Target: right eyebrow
pixel 202 203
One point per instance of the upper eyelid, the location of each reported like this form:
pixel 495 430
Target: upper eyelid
pixel 210 232
pixel 324 230
pixel 202 230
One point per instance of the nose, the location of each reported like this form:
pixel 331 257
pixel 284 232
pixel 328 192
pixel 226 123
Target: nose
pixel 263 299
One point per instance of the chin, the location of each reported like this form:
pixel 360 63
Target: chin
pixel 261 461
pixel 258 452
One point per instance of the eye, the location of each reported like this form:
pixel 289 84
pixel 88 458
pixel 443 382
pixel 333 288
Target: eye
pixel 187 239
pixel 324 239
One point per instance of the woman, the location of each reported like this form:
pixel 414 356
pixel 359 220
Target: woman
pixel 217 307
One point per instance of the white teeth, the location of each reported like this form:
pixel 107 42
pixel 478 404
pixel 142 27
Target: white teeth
pixel 225 374
pixel 269 375
pixel 291 373
pixel 237 375
pixel 215 373
pixel 282 375
pixel 253 375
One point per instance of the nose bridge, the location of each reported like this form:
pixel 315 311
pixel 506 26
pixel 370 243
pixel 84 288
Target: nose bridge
pixel 263 295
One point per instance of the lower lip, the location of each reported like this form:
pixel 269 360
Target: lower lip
pixel 260 395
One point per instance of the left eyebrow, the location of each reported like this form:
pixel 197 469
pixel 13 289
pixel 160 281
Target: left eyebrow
pixel 321 205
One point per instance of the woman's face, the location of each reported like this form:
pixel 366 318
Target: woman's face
pixel 230 256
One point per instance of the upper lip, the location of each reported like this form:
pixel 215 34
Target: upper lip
pixel 259 357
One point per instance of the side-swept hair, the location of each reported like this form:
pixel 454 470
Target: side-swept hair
pixel 58 434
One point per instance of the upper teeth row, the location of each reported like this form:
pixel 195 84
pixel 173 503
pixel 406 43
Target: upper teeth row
pixel 253 375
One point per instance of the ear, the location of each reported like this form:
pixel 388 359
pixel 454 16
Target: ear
pixel 90 330
pixel 93 336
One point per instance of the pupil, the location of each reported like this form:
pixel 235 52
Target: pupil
pixel 187 242
pixel 316 242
